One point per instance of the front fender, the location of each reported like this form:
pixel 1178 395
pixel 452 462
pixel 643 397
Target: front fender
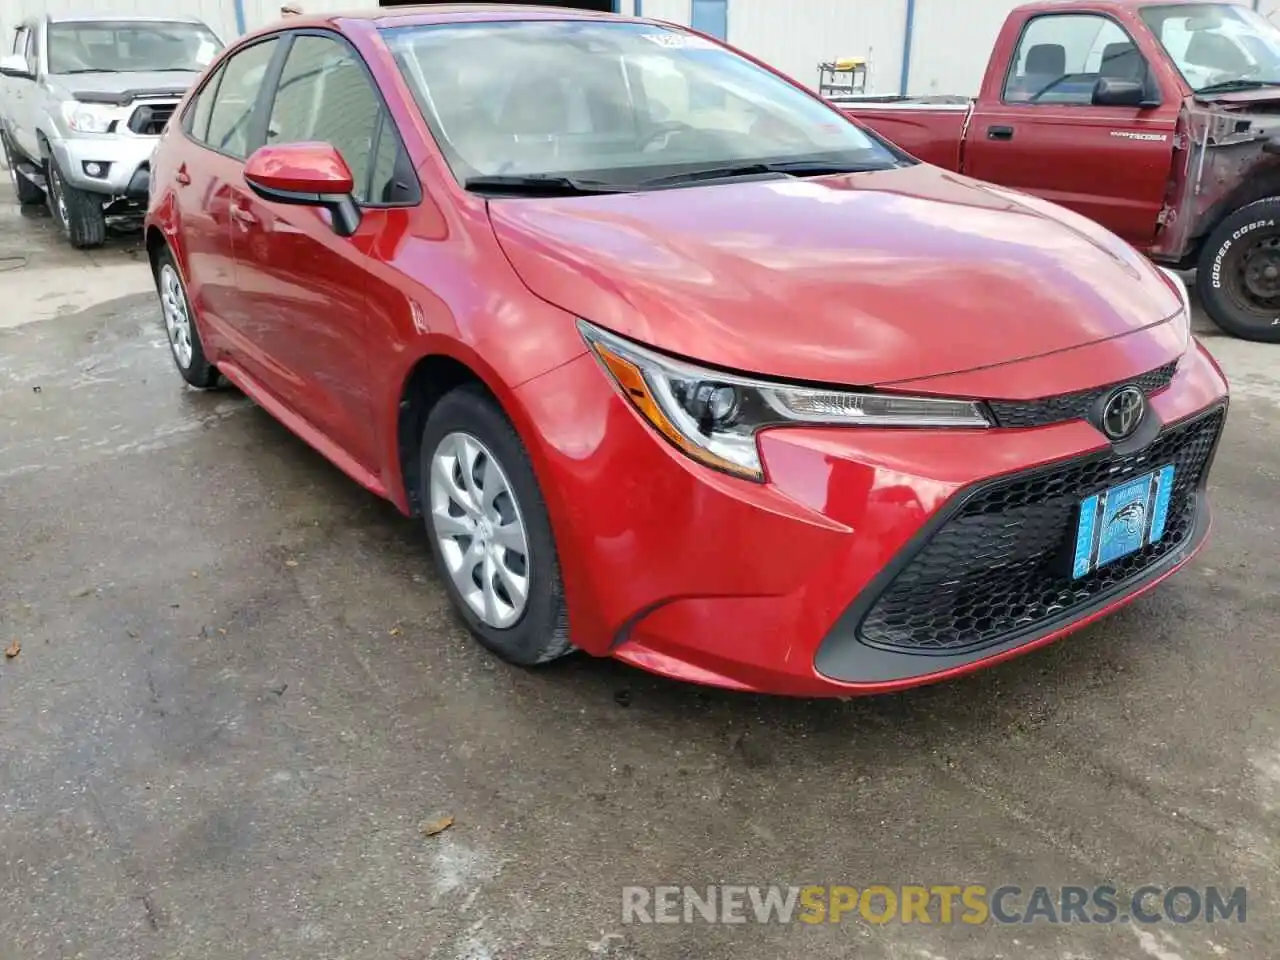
pixel 48 134
pixel 435 345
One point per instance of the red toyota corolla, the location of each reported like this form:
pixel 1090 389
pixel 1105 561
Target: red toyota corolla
pixel 678 364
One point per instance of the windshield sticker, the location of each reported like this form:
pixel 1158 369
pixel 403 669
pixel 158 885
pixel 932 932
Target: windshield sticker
pixel 678 41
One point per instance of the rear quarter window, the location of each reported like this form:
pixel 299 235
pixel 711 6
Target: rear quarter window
pixel 195 121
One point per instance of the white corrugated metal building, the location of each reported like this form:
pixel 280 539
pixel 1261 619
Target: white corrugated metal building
pixel 915 46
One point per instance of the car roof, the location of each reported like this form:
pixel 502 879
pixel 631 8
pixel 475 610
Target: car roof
pixel 456 12
pixel 1067 6
pixel 119 18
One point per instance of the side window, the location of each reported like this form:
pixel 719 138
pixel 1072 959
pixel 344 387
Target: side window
pixel 19 41
pixel 391 177
pixel 1061 56
pixel 196 119
pixel 33 58
pixel 386 160
pixel 325 95
pixel 236 97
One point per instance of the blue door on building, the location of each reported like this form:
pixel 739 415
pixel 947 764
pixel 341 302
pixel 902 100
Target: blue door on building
pixel 711 17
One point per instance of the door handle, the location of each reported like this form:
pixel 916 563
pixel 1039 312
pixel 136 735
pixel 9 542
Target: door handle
pixel 999 133
pixel 244 216
pixel 182 176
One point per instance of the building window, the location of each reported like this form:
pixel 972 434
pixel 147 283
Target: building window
pixel 711 17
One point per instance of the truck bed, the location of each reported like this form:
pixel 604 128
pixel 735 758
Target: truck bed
pixel 930 128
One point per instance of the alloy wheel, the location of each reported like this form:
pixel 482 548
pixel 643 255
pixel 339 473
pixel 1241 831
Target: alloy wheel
pixel 177 321
pixel 59 197
pixel 479 529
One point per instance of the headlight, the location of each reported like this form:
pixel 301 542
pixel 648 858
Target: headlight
pixel 87 117
pixel 1184 295
pixel 714 417
pixel 1179 287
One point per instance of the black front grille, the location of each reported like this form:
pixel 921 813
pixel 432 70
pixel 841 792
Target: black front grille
pixel 1072 406
pixel 1000 564
pixel 149 119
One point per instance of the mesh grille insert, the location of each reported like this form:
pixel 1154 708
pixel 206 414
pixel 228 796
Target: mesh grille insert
pixel 1001 564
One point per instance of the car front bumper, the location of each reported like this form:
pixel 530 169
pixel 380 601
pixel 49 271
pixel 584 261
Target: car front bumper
pixel 803 585
pixel 125 163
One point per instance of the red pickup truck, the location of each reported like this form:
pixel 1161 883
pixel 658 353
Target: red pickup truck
pixel 1159 119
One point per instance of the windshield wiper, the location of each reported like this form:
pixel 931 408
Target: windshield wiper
pixel 1225 86
pixel 540 185
pixel 67 73
pixel 795 168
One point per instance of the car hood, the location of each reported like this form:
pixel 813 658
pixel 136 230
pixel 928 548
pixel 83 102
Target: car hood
pixel 852 279
pixel 160 83
pixel 1265 96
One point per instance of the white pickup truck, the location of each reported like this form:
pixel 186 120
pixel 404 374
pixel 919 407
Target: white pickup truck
pixel 83 101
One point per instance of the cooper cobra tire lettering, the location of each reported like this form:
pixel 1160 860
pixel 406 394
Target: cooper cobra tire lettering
pixel 1216 278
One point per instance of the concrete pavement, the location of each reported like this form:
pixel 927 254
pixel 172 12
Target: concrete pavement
pixel 241 692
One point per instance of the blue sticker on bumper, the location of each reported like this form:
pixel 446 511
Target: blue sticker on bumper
pixel 1084 536
pixel 1122 520
pixel 1160 510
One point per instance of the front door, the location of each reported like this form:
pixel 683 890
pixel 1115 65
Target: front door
pixel 23 95
pixel 204 174
pixel 313 291
pixel 1045 136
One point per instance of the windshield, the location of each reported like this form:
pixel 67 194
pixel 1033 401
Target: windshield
pixel 617 103
pixel 103 46
pixel 1217 43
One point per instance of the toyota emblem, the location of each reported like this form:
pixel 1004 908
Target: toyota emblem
pixel 1123 412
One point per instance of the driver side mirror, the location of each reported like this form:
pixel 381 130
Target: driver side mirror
pixel 15 65
pixel 306 174
pixel 1109 92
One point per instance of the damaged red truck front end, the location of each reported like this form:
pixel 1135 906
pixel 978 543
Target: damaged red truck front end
pixel 1158 120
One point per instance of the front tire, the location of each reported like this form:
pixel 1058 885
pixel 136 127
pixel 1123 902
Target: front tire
pixel 78 212
pixel 489 530
pixel 1238 276
pixel 185 345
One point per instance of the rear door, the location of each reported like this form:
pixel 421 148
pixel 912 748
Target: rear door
pixel 202 174
pixel 315 294
pixel 1045 136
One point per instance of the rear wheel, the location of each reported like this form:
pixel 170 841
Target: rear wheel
pixel 28 193
pixel 78 212
pixel 489 529
pixel 1238 277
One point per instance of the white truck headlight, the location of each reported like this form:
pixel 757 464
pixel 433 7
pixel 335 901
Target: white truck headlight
pixel 87 117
